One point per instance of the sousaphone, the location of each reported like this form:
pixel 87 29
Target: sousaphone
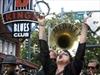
pixel 64 35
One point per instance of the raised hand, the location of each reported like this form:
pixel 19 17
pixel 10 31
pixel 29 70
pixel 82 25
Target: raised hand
pixel 41 20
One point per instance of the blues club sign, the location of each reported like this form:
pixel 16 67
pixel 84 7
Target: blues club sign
pixel 19 15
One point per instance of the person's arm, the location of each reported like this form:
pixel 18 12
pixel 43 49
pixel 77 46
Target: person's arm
pixel 47 64
pixel 79 57
pixel 44 49
pixel 42 33
pixel 82 44
pixel 83 38
pixel 83 35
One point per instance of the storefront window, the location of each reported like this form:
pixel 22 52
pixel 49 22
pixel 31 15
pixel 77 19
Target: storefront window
pixel 14 49
pixel 7 47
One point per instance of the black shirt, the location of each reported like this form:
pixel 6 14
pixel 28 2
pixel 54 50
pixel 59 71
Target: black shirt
pixel 49 67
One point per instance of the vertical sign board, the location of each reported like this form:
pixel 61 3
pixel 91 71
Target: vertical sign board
pixel 19 15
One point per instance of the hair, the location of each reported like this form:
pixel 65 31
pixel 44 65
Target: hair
pixel 68 54
pixel 55 55
pixel 54 52
pixel 96 61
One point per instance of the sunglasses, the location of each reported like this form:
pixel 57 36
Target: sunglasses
pixel 92 67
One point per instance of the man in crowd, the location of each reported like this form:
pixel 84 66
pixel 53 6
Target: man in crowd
pixel 9 65
pixel 53 57
pixel 93 67
pixel 64 64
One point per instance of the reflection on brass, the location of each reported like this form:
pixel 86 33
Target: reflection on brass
pixel 64 35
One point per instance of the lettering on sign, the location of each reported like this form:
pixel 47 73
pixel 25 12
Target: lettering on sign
pixel 19 16
pixel 22 3
pixel 21 30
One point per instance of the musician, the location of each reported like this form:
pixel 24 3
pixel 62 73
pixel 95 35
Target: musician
pixel 64 63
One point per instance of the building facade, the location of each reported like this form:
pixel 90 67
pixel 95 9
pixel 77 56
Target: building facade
pixel 9 44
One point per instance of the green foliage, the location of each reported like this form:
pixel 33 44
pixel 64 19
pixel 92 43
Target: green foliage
pixel 34 38
pixel 29 52
pixel 92 53
pixel 57 19
pixel 23 53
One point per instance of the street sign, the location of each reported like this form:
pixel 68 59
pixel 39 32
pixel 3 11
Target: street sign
pixel 79 16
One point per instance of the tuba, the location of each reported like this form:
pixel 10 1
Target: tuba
pixel 64 35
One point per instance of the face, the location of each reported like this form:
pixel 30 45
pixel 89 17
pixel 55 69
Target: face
pixel 53 55
pixel 91 68
pixel 17 70
pixel 9 68
pixel 63 57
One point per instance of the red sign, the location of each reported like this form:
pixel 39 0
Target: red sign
pixel 22 3
pixel 19 16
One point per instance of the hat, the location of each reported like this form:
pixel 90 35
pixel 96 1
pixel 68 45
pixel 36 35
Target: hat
pixel 9 59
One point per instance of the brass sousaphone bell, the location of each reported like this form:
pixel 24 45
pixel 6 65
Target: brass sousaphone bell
pixel 64 35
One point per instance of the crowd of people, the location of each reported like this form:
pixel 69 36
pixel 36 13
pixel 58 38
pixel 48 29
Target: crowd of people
pixel 53 63
pixel 9 66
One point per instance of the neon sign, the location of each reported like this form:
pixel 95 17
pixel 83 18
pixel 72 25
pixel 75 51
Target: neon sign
pixel 21 29
pixel 19 14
